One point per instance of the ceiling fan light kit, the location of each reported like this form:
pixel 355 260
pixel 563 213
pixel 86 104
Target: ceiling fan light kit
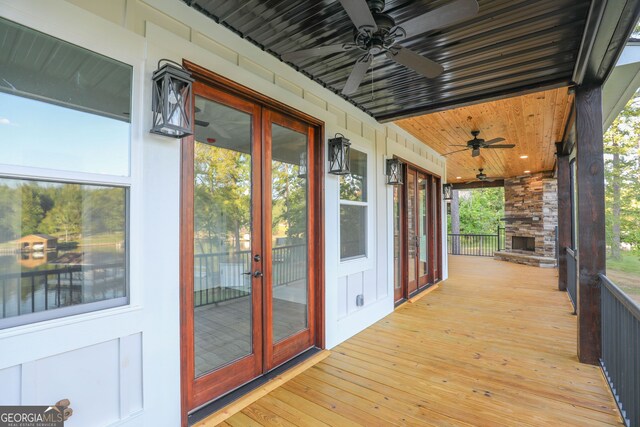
pixel 377 33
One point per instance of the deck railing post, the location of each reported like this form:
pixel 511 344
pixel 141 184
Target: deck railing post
pixel 590 220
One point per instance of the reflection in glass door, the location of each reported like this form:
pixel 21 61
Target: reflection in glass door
pixel 419 225
pixel 423 231
pixel 398 290
pixel 287 248
pixel 249 236
pixel 412 237
pixel 222 225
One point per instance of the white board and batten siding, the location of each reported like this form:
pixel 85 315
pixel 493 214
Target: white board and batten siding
pixel 121 366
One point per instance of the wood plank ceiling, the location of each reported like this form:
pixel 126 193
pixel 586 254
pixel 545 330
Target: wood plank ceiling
pixel 533 122
pixel 510 46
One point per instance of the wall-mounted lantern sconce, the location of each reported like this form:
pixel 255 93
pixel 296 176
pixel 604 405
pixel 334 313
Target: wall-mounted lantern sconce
pixel 172 102
pixel 339 155
pixel 447 191
pixel 394 171
pixel 302 167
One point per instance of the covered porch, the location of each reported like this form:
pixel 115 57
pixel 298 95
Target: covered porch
pixel 494 345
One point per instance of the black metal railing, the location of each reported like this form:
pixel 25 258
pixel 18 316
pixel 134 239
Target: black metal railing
pixel 475 244
pixel 572 276
pixel 621 349
pixel 220 277
pixel 41 290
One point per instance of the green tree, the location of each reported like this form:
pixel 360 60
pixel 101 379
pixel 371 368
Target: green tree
pixel 481 210
pixel 32 212
pixel 9 217
pixel 621 177
pixel 289 200
pixel 222 197
pixel 66 216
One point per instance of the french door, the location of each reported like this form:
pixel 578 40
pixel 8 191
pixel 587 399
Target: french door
pixel 416 229
pixel 418 233
pixel 248 241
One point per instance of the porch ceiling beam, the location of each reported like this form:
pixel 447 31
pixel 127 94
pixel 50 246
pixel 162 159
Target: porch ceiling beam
pixel 590 220
pixel 569 136
pixel 478 184
pixel 608 28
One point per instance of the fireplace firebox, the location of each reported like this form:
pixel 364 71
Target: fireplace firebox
pixel 520 243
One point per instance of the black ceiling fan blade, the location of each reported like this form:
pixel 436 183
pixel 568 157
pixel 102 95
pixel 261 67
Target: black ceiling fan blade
pixel 501 146
pixel 358 11
pixel 416 62
pixel 475 152
pixel 313 52
pixel 357 74
pixel 457 151
pixel 493 141
pixel 444 16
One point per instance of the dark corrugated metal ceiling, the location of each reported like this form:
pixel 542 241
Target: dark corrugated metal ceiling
pixel 510 46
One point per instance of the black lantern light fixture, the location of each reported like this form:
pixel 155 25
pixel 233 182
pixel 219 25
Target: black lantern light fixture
pixel 302 167
pixel 394 171
pixel 172 102
pixel 339 155
pixel 447 191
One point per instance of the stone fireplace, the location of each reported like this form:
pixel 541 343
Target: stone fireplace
pixel 531 217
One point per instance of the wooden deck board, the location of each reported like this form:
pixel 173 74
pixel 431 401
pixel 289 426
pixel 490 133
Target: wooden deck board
pixel 495 345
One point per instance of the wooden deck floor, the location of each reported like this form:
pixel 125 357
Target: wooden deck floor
pixel 494 346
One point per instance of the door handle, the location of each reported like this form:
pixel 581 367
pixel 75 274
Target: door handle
pixel 256 273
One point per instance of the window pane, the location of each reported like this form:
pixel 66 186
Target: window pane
pixel 61 106
pixel 61 245
pixel 353 187
pixel 353 231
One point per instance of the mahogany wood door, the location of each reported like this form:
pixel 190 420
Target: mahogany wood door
pixel 424 231
pixel 289 244
pixel 250 243
pixel 222 233
pixel 411 233
pixel 398 245
pixel 416 222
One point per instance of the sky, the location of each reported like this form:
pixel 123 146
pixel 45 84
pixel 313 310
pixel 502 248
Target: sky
pixel 38 134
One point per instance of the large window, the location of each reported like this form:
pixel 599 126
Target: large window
pixel 64 126
pixel 353 209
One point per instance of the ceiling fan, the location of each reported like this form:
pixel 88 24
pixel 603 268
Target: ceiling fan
pixel 481 176
pixel 476 144
pixel 377 33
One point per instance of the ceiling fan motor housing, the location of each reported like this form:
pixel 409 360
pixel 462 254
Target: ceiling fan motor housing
pixel 380 40
pixel 375 6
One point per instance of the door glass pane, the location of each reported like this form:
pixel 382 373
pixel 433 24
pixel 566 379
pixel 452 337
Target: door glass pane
pixel 289 195
pixel 411 226
pixel 222 236
pixel 422 225
pixel 397 278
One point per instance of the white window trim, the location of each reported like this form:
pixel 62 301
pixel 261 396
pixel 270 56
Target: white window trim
pixel 365 259
pixel 136 60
